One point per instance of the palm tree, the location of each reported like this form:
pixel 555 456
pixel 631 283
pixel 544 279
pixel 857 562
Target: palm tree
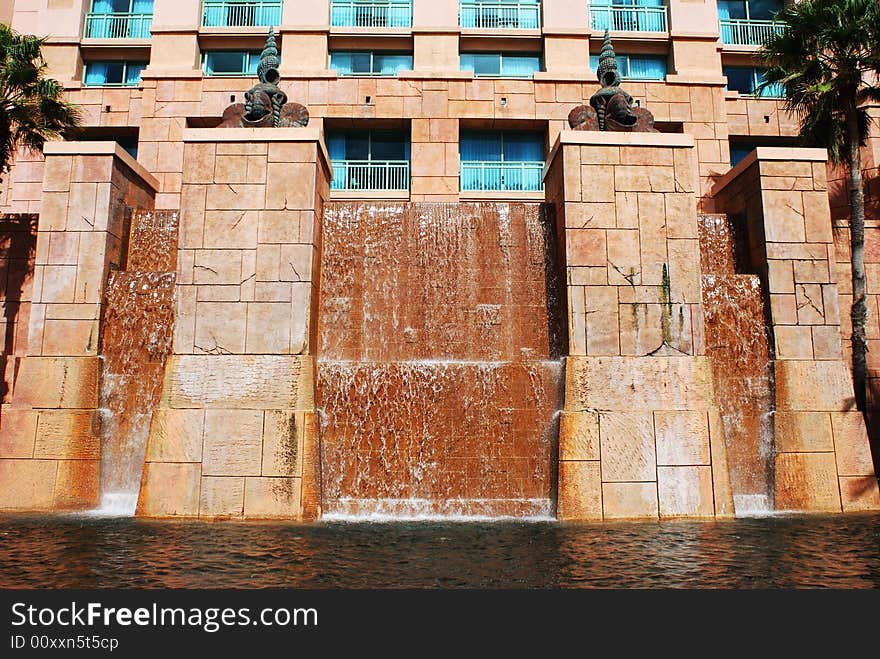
pixel 31 106
pixel 827 59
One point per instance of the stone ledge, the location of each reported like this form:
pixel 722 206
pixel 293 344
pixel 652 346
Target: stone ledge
pixel 793 154
pixel 101 148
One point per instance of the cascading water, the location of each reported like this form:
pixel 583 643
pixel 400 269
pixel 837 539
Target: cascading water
pixel 737 341
pixel 439 379
pixel 136 340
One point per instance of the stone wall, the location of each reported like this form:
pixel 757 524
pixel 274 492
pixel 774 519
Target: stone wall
pixel 640 434
pixel 234 435
pixel 823 459
pixel 49 438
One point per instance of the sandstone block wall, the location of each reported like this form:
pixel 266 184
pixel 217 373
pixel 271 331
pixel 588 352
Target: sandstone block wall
pixel 49 437
pixel 640 434
pixel 234 435
pixel 823 459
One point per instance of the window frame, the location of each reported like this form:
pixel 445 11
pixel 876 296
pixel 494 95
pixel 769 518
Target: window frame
pixel 501 55
pixel 246 58
pixel 373 54
pixel 125 67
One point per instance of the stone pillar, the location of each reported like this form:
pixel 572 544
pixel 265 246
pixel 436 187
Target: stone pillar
pixel 640 433
pixel 235 433
pixel 823 460
pixel 49 442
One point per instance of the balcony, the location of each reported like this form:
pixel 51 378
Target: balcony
pixel 118 26
pixel 370 175
pixel 628 18
pixel 500 15
pixel 497 176
pixel 747 32
pixel 228 13
pixel 378 13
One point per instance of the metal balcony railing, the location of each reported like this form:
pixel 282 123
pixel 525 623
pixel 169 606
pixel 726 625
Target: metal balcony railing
pixel 370 175
pixel 746 32
pixel 377 13
pixel 229 13
pixel 508 176
pixel 628 18
pixel 500 15
pixel 118 26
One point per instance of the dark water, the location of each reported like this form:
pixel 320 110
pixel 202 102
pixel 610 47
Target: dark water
pixel 792 552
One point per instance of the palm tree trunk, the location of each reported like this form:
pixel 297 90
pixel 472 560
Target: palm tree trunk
pixel 857 246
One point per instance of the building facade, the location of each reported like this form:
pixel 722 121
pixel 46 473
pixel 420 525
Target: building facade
pixel 446 101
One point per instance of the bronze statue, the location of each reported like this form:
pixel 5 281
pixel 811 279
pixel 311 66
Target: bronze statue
pixel 265 104
pixel 611 108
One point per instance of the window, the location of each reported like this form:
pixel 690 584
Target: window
pixel 369 63
pixel 230 62
pixel 501 161
pixel 755 10
pixel 628 15
pixel 234 13
pixel 119 19
pixel 113 74
pixel 369 160
pixel 371 13
pixel 747 80
pixel 500 14
pixel 105 7
pixel 637 67
pixel 500 65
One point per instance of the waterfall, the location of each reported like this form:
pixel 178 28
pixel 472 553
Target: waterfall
pixel 737 340
pixel 439 374
pixel 136 340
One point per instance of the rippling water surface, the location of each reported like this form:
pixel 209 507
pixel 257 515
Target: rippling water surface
pixel 793 552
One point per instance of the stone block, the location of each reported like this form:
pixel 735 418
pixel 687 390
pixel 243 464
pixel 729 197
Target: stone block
pixel 268 328
pixel 579 436
pixel 813 386
pixel 51 382
pixel 290 186
pixel 793 342
pixel 629 500
pixel 859 493
pixel 221 497
pixel 169 489
pixel 67 435
pixel 77 485
pixel 627 446
pixel 807 482
pixel 18 428
pixel 176 436
pixel 283 434
pixel 620 383
pixel 802 432
pixel 783 217
pixel 27 484
pixel 682 438
pixel 851 447
pixel 221 327
pixel 272 498
pixel 233 443
pixel 720 470
pixel 239 382
pixel 685 491
pixel 580 491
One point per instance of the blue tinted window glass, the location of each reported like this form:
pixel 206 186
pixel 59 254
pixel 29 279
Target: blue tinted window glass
pixel 133 72
pixel 484 146
pixel 740 78
pixel 524 146
pixel 521 66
